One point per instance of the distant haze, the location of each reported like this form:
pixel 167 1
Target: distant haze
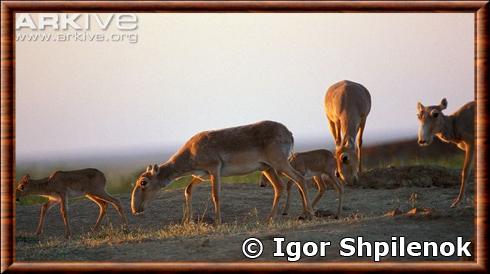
pixel 194 72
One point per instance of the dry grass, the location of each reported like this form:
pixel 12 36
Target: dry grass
pixel 115 235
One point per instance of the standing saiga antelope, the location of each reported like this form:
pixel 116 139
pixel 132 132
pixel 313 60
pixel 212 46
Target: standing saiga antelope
pixel 263 146
pixel 61 185
pixel 458 128
pixel 320 165
pixel 347 105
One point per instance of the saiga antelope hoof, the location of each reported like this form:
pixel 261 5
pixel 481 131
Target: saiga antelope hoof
pixel 455 203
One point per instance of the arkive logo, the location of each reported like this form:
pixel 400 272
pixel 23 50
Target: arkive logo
pixel 77 21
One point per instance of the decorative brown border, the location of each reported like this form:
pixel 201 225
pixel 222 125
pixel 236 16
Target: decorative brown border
pixel 9 8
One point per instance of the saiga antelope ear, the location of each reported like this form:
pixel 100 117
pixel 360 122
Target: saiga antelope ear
pixel 420 107
pixel 443 104
pixel 348 142
pixel 155 169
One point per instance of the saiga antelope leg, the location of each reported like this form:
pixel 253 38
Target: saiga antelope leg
pixel 333 130
pixel 321 190
pixel 188 199
pixel 262 180
pixel 102 209
pixel 359 142
pixel 338 135
pixel 339 187
pixel 276 183
pixel 288 195
pixel 216 193
pixel 64 216
pixel 467 166
pixel 44 209
pixel 114 202
pixel 292 174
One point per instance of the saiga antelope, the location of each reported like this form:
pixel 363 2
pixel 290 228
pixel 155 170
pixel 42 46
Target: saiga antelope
pixel 458 128
pixel 347 105
pixel 61 185
pixel 263 146
pixel 320 165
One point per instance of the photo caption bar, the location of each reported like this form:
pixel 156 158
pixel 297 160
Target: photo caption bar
pixel 253 248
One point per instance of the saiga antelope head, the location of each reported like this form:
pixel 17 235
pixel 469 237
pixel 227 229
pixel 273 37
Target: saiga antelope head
pixel 347 162
pixel 431 121
pixel 23 187
pixel 145 189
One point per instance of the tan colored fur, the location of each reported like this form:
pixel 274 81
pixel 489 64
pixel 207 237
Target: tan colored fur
pixel 347 105
pixel 62 184
pixel 458 128
pixel 320 165
pixel 263 146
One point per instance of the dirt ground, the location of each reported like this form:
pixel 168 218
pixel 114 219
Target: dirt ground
pixel 366 205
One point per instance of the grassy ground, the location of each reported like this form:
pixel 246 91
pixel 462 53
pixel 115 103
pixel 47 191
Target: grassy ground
pixel 160 235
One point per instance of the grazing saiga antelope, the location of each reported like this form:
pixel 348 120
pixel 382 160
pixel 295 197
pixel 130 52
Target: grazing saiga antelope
pixel 61 185
pixel 458 128
pixel 347 105
pixel 263 146
pixel 321 166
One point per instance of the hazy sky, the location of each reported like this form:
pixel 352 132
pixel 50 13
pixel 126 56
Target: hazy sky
pixel 193 72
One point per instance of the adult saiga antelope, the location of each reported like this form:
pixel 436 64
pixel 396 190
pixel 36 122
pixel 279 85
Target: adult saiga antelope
pixel 263 146
pixel 321 166
pixel 347 105
pixel 61 185
pixel 458 128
